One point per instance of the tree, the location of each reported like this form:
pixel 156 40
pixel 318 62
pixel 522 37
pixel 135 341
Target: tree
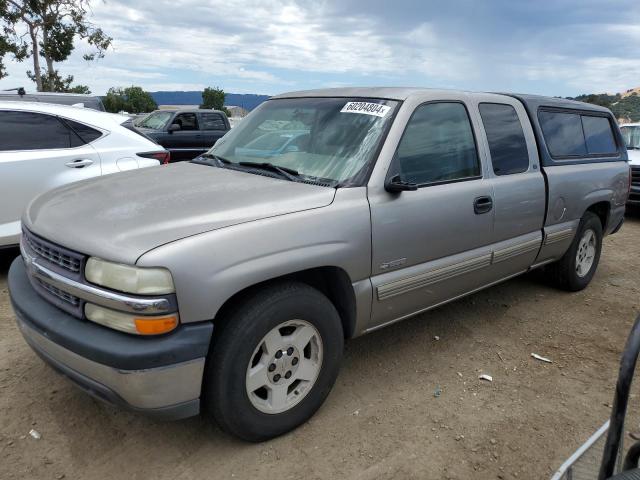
pixel 625 108
pixel 51 27
pixel 58 84
pixel 8 45
pixel 214 98
pixel 131 99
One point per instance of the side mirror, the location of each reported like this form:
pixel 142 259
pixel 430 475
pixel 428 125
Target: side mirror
pixel 396 185
pixel 174 127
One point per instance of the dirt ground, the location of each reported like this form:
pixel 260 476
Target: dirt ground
pixel 382 419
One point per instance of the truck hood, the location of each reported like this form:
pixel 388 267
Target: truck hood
pixel 119 217
pixel 634 157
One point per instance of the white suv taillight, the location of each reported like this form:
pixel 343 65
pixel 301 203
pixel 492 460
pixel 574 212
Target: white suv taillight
pixel 163 156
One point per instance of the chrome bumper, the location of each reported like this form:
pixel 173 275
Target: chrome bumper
pixel 160 376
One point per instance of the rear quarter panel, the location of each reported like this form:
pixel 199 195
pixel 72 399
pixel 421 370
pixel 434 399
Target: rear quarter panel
pixel 573 189
pixel 118 150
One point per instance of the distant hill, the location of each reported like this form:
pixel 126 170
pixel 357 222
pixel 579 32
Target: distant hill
pixel 245 100
pixel 625 105
pixel 631 91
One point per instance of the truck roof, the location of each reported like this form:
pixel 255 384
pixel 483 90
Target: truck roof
pixel 535 101
pixel 390 93
pixel 403 93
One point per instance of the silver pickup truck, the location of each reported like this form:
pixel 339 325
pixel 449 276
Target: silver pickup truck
pixel 229 284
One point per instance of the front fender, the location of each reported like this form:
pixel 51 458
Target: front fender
pixel 211 267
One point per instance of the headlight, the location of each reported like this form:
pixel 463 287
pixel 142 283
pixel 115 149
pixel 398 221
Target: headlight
pixel 130 323
pixel 125 278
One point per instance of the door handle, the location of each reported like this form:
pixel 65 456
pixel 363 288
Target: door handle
pixel 482 205
pixel 80 163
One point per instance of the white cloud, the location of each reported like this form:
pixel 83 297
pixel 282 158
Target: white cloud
pixel 269 46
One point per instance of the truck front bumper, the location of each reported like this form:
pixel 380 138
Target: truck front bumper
pixel 160 376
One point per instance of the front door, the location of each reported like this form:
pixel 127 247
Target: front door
pixel 432 244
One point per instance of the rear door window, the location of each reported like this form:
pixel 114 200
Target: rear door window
pixel 438 145
pixel 563 133
pixel 32 131
pixel 507 143
pixel 212 121
pixel 598 135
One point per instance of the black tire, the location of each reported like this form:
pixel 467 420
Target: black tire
pixel 563 272
pixel 225 392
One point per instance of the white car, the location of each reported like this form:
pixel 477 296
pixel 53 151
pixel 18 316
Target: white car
pixel 631 135
pixel 43 146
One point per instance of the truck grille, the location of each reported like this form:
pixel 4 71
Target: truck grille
pixel 53 253
pixel 635 175
pixel 64 296
pixel 60 260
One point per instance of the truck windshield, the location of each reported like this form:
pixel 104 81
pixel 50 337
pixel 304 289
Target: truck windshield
pixel 631 135
pixel 156 120
pixel 330 140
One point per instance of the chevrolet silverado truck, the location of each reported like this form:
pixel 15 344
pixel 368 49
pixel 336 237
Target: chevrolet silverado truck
pixel 229 284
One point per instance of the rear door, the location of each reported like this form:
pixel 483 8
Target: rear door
pixel 188 142
pixel 213 127
pixel 432 244
pixel 518 184
pixel 37 153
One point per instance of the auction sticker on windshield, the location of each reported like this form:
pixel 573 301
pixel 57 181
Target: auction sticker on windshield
pixel 366 108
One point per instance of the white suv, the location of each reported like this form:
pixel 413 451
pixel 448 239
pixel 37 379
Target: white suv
pixel 43 146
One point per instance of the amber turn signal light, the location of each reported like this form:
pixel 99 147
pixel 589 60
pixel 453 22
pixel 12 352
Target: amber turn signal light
pixel 156 326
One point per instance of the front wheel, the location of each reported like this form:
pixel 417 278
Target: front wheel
pixel 577 267
pixel 274 362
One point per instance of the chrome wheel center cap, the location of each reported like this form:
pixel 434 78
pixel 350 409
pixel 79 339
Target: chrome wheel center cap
pixel 283 365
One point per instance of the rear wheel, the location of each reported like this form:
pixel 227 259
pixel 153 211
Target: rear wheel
pixel 274 362
pixel 577 267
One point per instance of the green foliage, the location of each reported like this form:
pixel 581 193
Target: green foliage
pixel 131 99
pixel 213 98
pixel 624 108
pixel 56 83
pixel 48 30
pixel 84 89
pixel 9 45
pixel 59 42
pixel 628 108
pixel 603 99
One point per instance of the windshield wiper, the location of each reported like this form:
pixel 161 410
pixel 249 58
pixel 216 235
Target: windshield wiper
pixel 220 160
pixel 288 173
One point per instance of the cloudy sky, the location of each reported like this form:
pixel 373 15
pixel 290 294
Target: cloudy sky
pixel 554 47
